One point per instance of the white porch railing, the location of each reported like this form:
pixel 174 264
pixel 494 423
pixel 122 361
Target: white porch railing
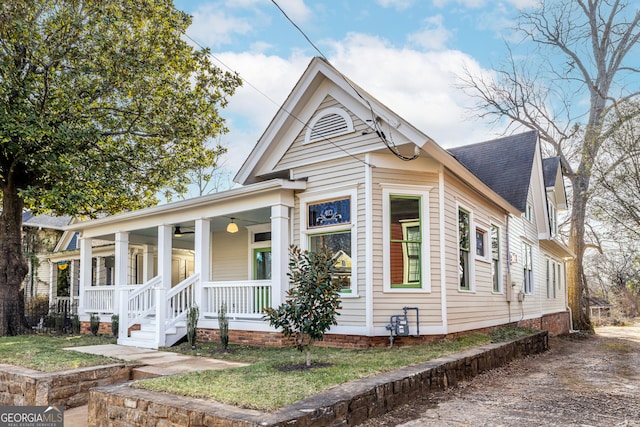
pixel 180 299
pixel 139 301
pixel 99 299
pixel 243 299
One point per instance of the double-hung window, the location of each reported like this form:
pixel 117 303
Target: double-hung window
pixel 406 253
pixel 464 249
pixel 495 258
pixel 527 265
pixel 328 224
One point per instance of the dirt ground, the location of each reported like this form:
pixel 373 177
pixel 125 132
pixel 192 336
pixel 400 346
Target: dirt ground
pixel 583 380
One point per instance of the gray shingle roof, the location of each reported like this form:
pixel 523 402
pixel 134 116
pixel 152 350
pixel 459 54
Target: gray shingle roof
pixel 45 221
pixel 504 164
pixel 550 169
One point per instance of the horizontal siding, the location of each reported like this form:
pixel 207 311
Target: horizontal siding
pixel 467 309
pixel 330 175
pixel 302 154
pixel 229 257
pixel 390 303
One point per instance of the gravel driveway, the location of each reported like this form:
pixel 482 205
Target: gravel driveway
pixel 583 380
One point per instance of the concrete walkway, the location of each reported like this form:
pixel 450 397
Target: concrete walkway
pixel 153 363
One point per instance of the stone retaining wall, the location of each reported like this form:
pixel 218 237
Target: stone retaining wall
pixel 27 387
pixel 345 405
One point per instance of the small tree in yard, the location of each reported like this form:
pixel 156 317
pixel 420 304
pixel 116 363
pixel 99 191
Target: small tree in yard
pixel 312 302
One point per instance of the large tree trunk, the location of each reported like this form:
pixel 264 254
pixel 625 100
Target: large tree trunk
pixel 13 266
pixel 577 288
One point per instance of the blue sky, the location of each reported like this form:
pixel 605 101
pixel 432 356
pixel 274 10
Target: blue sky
pixel 406 53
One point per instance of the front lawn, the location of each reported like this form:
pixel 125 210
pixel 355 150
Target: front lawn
pixel 45 353
pixel 265 385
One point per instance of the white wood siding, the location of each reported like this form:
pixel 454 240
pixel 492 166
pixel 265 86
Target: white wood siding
pixel 479 307
pixel 300 154
pixel 389 303
pixel 230 256
pixel 322 178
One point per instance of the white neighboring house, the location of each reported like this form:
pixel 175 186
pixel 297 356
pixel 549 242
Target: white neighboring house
pixel 457 240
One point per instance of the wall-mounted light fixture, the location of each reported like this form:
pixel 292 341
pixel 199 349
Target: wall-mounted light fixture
pixel 232 227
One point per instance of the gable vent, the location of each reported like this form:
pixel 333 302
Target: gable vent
pixel 329 123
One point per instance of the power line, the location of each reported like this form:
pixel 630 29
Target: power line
pixel 390 144
pixel 280 107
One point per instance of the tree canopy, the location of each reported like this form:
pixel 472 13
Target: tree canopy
pixel 569 89
pixel 103 103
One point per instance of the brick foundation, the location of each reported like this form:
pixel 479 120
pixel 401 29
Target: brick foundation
pixel 555 324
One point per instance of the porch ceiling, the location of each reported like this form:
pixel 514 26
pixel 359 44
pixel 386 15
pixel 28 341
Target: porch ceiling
pixel 218 224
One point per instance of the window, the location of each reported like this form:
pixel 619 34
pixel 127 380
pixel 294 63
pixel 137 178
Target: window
pixel 481 244
pixel 528 213
pixel 553 222
pixel 464 247
pixel 406 240
pixel 495 258
pixel 405 235
pixel 327 223
pixel 527 264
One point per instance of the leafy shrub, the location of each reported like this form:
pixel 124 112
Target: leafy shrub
pixel 312 302
pixel 75 324
pixel 192 325
pixel 94 324
pixel 115 325
pixel 223 323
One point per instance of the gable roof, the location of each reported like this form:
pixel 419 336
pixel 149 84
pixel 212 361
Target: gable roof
pixel 504 164
pixel 45 221
pixel 319 79
pixel 550 167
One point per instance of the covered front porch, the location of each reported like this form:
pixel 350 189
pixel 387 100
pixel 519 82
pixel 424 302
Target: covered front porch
pixel 169 258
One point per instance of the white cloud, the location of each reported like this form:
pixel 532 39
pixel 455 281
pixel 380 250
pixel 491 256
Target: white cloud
pixel 214 27
pixel 397 4
pixel 433 35
pixel 476 4
pixel 419 86
pixel 295 9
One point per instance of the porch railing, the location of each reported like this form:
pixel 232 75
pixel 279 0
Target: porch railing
pixel 243 299
pixel 180 299
pixel 68 305
pixel 139 300
pixel 99 299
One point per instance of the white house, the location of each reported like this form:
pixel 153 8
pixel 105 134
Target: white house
pixel 455 240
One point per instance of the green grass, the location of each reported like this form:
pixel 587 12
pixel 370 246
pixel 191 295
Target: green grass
pixel 45 353
pixel 262 386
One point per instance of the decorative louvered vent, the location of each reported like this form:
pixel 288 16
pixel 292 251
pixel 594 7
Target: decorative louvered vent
pixel 329 123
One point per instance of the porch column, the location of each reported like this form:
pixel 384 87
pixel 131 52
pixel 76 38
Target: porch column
pixel 147 263
pixel 164 271
pixel 279 252
pixel 99 270
pixel 85 271
pixel 202 247
pixel 72 279
pixel 121 266
pixel 52 280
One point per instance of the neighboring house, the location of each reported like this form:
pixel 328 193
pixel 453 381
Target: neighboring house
pixel 463 239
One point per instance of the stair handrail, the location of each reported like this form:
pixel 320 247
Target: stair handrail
pixel 133 293
pixel 183 308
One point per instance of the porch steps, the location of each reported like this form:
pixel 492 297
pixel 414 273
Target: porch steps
pixel 145 337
